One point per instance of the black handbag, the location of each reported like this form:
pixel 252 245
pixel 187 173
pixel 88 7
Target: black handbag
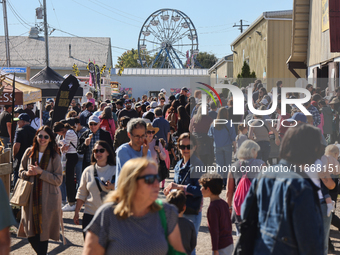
pixel 162 169
pixel 193 203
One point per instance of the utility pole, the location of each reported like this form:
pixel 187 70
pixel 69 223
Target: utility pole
pixel 8 61
pixel 241 26
pixel 46 34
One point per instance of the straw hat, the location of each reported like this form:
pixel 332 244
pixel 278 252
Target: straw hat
pixel 150 127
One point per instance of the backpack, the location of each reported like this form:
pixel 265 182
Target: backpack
pixel 105 125
pixel 240 193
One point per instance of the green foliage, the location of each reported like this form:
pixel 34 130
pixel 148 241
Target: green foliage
pixel 206 60
pixel 245 77
pixel 129 59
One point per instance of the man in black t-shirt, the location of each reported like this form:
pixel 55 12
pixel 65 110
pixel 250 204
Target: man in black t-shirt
pixel 23 139
pixel 128 111
pixel 29 111
pixel 5 125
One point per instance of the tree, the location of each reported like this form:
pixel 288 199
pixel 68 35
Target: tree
pixel 245 77
pixel 128 59
pixel 206 60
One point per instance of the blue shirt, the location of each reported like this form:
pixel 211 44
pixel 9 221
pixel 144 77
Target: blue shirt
pixel 164 128
pixel 212 114
pixel 223 137
pixel 124 153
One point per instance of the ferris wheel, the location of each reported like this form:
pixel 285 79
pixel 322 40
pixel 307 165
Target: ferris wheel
pixel 168 39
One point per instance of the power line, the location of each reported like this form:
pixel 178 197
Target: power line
pixel 22 21
pixel 104 14
pixel 122 11
pixel 218 31
pixel 84 38
pixel 241 26
pixel 105 7
pixel 55 14
pixel 217 25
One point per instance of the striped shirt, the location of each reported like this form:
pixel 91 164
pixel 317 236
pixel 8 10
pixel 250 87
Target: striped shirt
pixel 71 136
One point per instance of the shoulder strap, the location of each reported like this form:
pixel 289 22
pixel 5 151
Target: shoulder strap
pixel 185 176
pixel 161 213
pixel 264 124
pixel 95 173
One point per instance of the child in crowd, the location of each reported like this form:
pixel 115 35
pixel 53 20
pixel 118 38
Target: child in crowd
pixel 90 98
pixel 241 137
pixel 167 159
pixel 187 228
pixel 218 215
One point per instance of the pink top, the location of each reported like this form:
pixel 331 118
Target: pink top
pixel 92 101
pixel 167 159
pixel 321 123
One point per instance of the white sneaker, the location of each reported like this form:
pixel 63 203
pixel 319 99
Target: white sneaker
pixel 69 208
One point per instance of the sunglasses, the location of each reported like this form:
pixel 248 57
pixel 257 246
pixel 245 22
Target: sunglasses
pixel 151 132
pixel 102 150
pixel 150 178
pixel 43 136
pixel 182 147
pixel 93 124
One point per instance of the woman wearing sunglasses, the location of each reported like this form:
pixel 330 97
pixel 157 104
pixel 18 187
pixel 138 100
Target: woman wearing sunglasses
pixel 155 147
pixel 41 217
pixel 96 182
pixel 185 179
pixel 129 221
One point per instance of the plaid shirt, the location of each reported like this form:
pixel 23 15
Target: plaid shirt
pixel 316 115
pixel 94 139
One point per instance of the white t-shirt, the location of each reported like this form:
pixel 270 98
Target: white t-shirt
pixel 40 156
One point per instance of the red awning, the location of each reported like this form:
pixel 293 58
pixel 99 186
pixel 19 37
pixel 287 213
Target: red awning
pixel 6 96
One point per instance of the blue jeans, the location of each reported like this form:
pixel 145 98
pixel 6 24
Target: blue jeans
pixel 223 158
pixel 63 189
pixel 79 170
pixel 326 226
pixel 264 151
pixel 196 219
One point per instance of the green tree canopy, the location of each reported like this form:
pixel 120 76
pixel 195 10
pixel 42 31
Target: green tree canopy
pixel 245 77
pixel 206 60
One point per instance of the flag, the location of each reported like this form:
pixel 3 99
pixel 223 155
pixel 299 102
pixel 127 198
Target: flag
pixel 65 95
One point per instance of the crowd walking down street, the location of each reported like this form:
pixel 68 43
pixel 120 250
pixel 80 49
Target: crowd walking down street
pixel 159 176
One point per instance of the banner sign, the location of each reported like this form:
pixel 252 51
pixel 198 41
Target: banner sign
pixel 65 95
pixel 14 69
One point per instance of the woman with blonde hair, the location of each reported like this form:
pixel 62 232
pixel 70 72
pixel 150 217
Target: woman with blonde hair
pixel 246 155
pixel 132 216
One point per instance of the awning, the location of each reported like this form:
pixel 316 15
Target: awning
pixel 30 94
pixel 300 30
pixel 6 96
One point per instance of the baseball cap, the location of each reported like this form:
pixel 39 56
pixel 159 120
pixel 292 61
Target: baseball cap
pixel 94 119
pixel 128 101
pixel 154 104
pixel 163 91
pixel 298 116
pixel 185 88
pixel 146 103
pixel 137 105
pixel 24 117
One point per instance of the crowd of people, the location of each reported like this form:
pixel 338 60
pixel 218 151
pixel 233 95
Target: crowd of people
pixel 107 156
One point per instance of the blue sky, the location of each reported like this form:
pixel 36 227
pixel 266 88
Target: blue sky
pixel 122 20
